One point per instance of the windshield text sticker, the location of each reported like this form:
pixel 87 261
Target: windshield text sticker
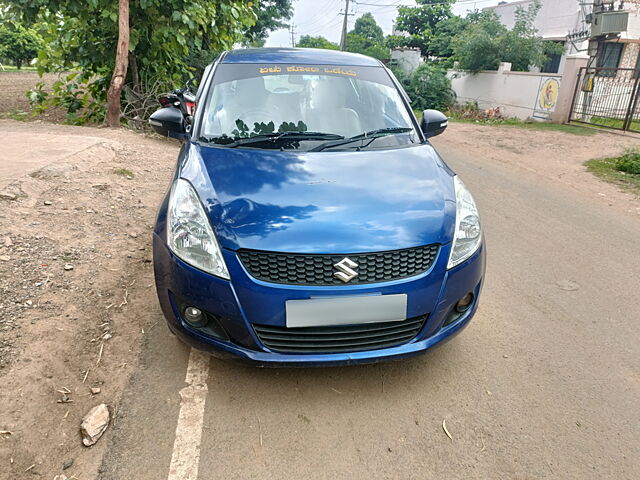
pixel 340 71
pixel 305 69
pixel 270 70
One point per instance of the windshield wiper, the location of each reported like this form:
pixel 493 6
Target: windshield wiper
pixel 273 138
pixel 372 134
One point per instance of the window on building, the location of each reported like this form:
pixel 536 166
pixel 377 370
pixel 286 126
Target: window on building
pixel 553 62
pixel 609 55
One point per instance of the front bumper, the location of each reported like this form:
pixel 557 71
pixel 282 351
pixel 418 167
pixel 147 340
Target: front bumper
pixel 244 300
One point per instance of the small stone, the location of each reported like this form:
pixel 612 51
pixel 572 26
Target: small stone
pixel 8 242
pixel 568 285
pixel 107 336
pixel 8 196
pixel 48 202
pixel 94 423
pixel 62 476
pixel 4 258
pixel 505 356
pixel 29 302
pixel 68 267
pixel 95 390
pixel 67 464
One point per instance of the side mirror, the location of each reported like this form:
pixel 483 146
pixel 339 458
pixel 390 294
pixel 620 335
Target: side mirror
pixel 433 123
pixel 168 122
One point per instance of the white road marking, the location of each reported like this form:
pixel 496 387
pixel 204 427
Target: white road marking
pixel 186 447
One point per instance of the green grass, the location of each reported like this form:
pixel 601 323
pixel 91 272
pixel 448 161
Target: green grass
pixel 516 122
pixel 615 123
pixel 124 172
pixel 16 115
pixel 607 169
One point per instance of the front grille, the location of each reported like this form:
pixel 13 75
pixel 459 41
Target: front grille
pixel 351 338
pixel 318 269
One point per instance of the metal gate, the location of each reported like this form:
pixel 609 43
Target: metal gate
pixel 607 97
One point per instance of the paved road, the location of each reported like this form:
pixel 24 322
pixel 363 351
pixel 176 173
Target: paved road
pixel 544 384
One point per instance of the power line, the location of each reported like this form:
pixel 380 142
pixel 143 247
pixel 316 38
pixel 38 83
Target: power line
pixel 330 24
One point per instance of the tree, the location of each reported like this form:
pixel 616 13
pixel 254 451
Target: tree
pixel 477 47
pixel 19 44
pixel 486 42
pixel 270 15
pixel 114 93
pixel 441 42
pixel 367 27
pixel 421 21
pixel 367 38
pixel 307 41
pixel 83 34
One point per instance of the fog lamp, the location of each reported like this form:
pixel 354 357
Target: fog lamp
pixel 194 317
pixel 464 303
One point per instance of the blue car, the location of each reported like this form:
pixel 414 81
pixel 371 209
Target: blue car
pixel 309 221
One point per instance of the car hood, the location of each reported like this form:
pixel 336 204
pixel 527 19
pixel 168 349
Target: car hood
pixel 323 202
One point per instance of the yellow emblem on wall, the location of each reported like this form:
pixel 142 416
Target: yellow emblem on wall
pixel 549 94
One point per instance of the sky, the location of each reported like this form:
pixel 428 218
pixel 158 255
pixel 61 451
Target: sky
pixel 322 17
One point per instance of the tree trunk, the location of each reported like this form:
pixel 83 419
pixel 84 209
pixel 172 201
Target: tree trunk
pixel 120 71
pixel 135 76
pixel 18 64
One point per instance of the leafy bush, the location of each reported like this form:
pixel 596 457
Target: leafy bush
pixel 427 87
pixel 75 95
pixel 629 162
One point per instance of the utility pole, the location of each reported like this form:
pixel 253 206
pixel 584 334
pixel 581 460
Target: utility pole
pixel 343 39
pixel 293 35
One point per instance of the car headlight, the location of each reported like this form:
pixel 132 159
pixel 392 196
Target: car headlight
pixel 468 234
pixel 189 233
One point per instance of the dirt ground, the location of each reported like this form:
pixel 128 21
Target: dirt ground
pixel 76 281
pixel 14 86
pixel 554 155
pixel 75 285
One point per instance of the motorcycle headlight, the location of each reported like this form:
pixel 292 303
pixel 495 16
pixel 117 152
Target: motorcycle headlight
pixel 189 233
pixel 468 234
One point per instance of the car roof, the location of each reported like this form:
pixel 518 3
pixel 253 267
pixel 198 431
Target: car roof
pixel 305 56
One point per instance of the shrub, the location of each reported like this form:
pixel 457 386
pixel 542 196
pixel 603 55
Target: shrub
pixel 629 162
pixel 427 87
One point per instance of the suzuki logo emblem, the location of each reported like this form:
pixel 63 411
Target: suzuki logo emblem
pixel 346 271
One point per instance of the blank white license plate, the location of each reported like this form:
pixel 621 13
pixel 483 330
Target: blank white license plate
pixel 324 312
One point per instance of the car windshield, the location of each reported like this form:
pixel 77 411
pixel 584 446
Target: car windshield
pixel 305 107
